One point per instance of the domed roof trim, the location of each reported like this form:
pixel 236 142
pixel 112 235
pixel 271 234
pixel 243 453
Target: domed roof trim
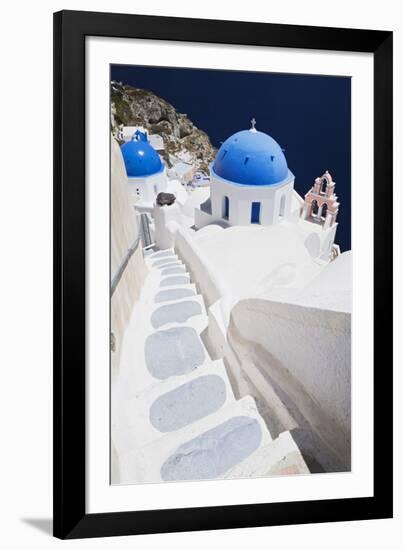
pixel 250 157
pixel 140 157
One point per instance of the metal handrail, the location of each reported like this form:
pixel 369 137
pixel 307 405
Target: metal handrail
pixel 118 275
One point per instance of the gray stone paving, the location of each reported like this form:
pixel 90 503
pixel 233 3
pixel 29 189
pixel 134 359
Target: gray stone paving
pixel 178 351
pixel 166 262
pixel 178 312
pixel 179 280
pixel 163 254
pixel 177 270
pixel 188 403
pixel 214 452
pixel 173 352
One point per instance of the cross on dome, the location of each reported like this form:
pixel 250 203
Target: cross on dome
pixel 253 123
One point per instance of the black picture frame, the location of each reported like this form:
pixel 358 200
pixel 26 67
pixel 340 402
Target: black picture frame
pixel 70 517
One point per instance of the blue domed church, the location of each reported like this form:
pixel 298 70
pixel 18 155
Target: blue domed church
pixel 145 170
pixel 250 182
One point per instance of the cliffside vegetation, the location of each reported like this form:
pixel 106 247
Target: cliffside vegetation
pixel 182 139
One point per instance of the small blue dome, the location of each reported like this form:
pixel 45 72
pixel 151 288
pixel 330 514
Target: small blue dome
pixel 140 157
pixel 250 157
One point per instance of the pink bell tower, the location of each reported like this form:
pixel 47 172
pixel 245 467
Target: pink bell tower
pixel 320 204
pixel 321 208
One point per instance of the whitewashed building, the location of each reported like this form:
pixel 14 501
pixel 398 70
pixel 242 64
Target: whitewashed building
pixel 250 182
pixel 183 171
pixel 127 132
pixel 145 170
pixel 242 286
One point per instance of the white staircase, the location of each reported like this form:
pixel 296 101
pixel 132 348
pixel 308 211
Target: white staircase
pixel 174 415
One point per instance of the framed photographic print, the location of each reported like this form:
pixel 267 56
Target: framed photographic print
pixel 223 274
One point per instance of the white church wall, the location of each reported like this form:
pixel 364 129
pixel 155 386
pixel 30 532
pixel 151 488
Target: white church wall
pixel 267 210
pixel 240 211
pixel 216 198
pixel 241 197
pixel 202 219
pixel 296 205
pixel 282 201
pixel 147 188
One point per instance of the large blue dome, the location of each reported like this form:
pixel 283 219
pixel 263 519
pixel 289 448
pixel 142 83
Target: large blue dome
pixel 141 159
pixel 250 157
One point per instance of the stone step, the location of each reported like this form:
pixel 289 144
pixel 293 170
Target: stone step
pixel 161 254
pixel 171 281
pixel 159 263
pixel 159 354
pixel 206 449
pixel 166 264
pixel 166 296
pixel 172 404
pixel 278 457
pixel 153 261
pixel 172 269
pixel 188 311
pixel 169 274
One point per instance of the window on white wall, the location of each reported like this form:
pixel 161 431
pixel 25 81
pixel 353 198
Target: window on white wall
pixel 226 208
pixel 255 212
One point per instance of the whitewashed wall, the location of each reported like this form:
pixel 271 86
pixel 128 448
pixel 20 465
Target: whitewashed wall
pixel 305 352
pixel 240 199
pixel 201 271
pixel 124 232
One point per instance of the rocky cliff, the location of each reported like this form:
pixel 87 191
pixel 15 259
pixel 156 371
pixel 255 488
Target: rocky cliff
pixel 182 139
